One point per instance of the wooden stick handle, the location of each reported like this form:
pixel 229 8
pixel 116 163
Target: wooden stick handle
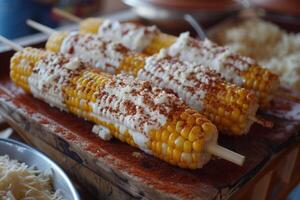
pixel 226 154
pixel 262 122
pixel 10 43
pixel 286 95
pixel 66 15
pixel 40 27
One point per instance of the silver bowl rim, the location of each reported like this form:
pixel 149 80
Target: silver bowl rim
pixel 13 142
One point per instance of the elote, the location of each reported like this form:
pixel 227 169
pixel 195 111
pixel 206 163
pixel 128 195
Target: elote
pixel 228 106
pixel 236 69
pixel 150 118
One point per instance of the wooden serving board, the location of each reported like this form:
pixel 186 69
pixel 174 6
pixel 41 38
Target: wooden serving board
pixel 112 169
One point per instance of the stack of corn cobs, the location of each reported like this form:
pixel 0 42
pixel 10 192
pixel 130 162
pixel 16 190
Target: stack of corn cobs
pixel 167 96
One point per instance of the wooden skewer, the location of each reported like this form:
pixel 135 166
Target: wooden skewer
pixel 213 149
pixel 285 95
pixel 261 121
pixel 226 154
pixel 40 27
pixel 66 15
pixel 10 43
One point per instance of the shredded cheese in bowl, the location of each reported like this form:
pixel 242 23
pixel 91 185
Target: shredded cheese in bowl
pixel 19 181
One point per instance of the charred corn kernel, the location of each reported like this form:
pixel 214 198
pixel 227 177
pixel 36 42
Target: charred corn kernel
pixel 219 98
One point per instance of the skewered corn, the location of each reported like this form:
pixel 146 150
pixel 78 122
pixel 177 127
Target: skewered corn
pixel 236 69
pixel 150 118
pixel 228 106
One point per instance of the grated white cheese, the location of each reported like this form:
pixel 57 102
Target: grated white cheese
pixel 18 181
pixel 132 36
pixel 102 132
pixel 190 81
pixel 206 53
pixel 93 49
pixel 122 89
pixel 272 47
pixel 48 77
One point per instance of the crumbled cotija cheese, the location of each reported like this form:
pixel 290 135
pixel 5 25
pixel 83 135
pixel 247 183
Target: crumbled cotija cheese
pixel 131 35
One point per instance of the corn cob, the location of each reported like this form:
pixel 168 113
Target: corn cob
pixel 230 107
pixel 234 68
pixel 154 120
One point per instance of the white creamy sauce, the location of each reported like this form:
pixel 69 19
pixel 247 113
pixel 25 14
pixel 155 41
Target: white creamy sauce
pixel 209 54
pixel 48 77
pixel 100 53
pixel 132 36
pixel 189 81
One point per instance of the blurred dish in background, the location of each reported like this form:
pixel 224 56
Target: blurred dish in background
pixel 271 46
pixel 289 7
pixel 14 13
pixel 81 8
pixel 169 14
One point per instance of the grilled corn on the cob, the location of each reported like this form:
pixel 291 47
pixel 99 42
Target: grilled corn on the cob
pixel 152 119
pixel 234 68
pixel 228 106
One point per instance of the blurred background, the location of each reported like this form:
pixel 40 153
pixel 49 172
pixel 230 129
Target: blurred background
pixel 14 13
pixel 167 14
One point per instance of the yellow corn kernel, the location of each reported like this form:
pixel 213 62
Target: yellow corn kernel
pixel 198 145
pixel 187 146
pixel 165 136
pixel 179 143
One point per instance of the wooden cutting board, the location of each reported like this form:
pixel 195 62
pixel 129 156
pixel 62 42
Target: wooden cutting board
pixel 112 169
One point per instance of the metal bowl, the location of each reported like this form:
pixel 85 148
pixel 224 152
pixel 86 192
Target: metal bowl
pixel 173 18
pixel 23 153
